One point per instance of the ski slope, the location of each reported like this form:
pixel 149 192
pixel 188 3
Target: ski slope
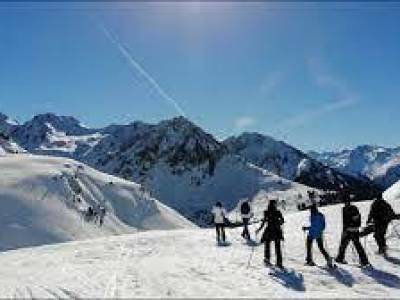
pixel 187 263
pixel 44 200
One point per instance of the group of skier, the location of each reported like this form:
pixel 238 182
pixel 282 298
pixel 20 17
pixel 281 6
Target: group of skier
pixel 380 215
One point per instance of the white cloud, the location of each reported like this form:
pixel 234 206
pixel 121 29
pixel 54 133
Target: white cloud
pixel 244 122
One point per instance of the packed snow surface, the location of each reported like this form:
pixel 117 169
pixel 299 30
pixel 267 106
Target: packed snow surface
pixel 45 199
pixel 187 263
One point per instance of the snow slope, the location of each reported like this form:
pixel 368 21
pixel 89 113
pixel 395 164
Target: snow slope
pixel 187 263
pixel 392 194
pixel 40 195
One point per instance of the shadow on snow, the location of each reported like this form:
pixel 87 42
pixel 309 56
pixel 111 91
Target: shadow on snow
pixel 341 275
pixel 384 278
pixel 289 279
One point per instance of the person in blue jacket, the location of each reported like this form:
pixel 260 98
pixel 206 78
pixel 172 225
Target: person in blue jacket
pixel 315 232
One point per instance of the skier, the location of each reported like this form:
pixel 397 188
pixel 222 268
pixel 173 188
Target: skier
pixel 380 215
pixel 219 216
pixel 272 233
pixel 101 214
pixel 351 226
pixel 246 214
pixel 315 232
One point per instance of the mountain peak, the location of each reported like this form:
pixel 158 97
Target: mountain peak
pixel 52 117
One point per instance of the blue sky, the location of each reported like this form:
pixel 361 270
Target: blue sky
pixel 318 75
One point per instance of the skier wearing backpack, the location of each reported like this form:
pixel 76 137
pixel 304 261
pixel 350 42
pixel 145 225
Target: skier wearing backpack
pixel 272 233
pixel 351 233
pixel 380 215
pixel 315 232
pixel 219 216
pixel 246 214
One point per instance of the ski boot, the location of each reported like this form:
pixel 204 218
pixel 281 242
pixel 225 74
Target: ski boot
pixel 310 263
pixel 341 261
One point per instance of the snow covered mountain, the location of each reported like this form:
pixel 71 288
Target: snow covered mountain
pixel 187 168
pixel 6 124
pixel 55 135
pixel 45 200
pixel 187 264
pixel 379 164
pixel 292 164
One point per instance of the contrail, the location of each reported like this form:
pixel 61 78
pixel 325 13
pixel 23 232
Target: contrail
pixel 137 67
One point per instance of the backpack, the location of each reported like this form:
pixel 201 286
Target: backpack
pixel 245 208
pixel 353 216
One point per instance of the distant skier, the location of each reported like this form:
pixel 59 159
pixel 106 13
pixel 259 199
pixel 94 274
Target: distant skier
pixel 351 233
pixel 246 214
pixel 380 215
pixel 89 214
pixel 101 214
pixel 219 216
pixel 272 233
pixel 315 232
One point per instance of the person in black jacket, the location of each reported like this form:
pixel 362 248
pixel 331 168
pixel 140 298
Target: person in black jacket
pixel 272 233
pixel 380 215
pixel 246 214
pixel 351 233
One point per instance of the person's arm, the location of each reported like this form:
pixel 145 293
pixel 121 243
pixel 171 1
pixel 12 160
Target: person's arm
pixel 392 214
pixel 281 219
pixel 264 220
pixel 323 222
pixel 344 218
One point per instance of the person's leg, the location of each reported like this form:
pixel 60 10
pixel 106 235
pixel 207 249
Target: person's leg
pixel 309 243
pixel 267 250
pixel 246 228
pixel 344 242
pixel 320 243
pixel 218 234
pixel 380 238
pixel 360 250
pixel 278 252
pixel 223 232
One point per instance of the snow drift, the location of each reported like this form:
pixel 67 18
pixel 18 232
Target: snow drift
pixel 44 200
